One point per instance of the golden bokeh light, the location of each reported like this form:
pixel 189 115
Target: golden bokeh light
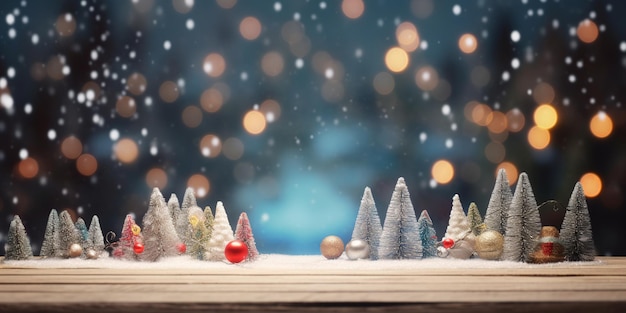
pixel 233 148
pixel 65 25
pixel 28 168
pixel 71 147
pixel 481 114
pixel 495 152
pixel 587 31
pixel 126 150
pixel 543 93
pixel 86 164
pixel 384 83
pixel 396 59
pixel 212 100
pixel 511 171
pixel 250 28
pixel 192 116
pixel 214 65
pixel 468 43
pixel 210 146
pixel 136 84
pixel 125 106
pixel 442 172
pixel 271 109
pixel 427 78
pixel 254 122
pixel 545 116
pixel 407 36
pixel 272 63
pixel 352 9
pixel 592 184
pixel 538 138
pixel 168 91
pixel 200 185
pixel 515 120
pixel 601 125
pixel 156 177
pixel 498 123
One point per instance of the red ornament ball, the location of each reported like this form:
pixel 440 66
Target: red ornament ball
pixel 181 248
pixel 447 243
pixel 138 248
pixel 236 251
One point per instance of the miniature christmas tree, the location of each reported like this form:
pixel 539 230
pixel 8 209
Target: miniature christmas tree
pixel 51 241
pixel 174 207
pixel 18 244
pixel 183 228
pixel 367 226
pixel 130 244
pixel 199 237
pixel 576 228
pixel 243 232
pixel 83 233
pixel 96 239
pixel 476 222
pixel 68 234
pixel 222 234
pixel 208 220
pixel 523 224
pixel 159 234
pixel 400 238
pixel 427 234
pixel 458 225
pixel 499 204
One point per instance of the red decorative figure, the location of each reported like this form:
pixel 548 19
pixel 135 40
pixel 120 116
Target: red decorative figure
pixel 243 232
pixel 129 239
pixel 447 243
pixel 236 251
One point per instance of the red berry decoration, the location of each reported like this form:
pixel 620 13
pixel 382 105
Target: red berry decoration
pixel 447 243
pixel 138 248
pixel 181 247
pixel 236 251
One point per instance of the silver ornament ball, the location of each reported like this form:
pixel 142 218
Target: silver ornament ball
pixel 91 254
pixel 75 250
pixel 357 249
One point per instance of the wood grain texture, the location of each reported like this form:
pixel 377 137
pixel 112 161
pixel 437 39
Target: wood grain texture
pixel 575 288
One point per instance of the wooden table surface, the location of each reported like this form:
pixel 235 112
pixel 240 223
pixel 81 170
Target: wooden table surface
pixel 571 288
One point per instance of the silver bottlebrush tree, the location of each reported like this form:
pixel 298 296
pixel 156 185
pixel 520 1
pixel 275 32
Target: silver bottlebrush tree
pixel 400 238
pixel 18 245
pixel 159 236
pixel 367 226
pixel 68 234
pixel 576 234
pixel 523 224
pixel 96 239
pixel 499 203
pixel 51 246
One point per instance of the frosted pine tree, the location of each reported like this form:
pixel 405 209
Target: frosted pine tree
pixel 576 234
pixel 199 236
pixel 96 239
pixel 68 234
pixel 130 235
pixel 458 225
pixel 523 224
pixel 183 228
pixel 159 236
pixel 18 245
pixel 400 238
pixel 475 220
pixel 243 232
pixel 367 226
pixel 83 233
pixel 221 236
pixel 50 247
pixel 499 204
pixel 427 235
pixel 208 219
pixel 174 207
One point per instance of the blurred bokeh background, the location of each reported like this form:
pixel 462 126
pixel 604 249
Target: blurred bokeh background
pixel 288 109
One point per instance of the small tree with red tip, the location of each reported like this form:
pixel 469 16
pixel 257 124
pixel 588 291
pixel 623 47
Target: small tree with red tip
pixel 243 232
pixel 130 244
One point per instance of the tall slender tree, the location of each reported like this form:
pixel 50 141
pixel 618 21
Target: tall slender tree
pixel 208 220
pixel 183 228
pixel 458 225
pixel 475 220
pixel 499 204
pixel 159 235
pixel 576 233
pixel 222 234
pixel 83 233
pixel 50 247
pixel 96 239
pixel 174 207
pixel 427 234
pixel 18 245
pixel 400 238
pixel 243 232
pixel 68 233
pixel 523 225
pixel 367 226
pixel 199 237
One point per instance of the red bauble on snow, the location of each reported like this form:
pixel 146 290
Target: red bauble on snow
pixel 138 248
pixel 447 243
pixel 181 248
pixel 236 251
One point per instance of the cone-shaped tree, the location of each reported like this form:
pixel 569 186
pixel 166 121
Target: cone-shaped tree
pixel 174 207
pixel 208 220
pixel 199 237
pixel 367 226
pixel 523 224
pixel 243 232
pixel 576 233
pixel 159 235
pixel 96 239
pixel 183 228
pixel 475 220
pixel 428 236
pixel 68 233
pixel 400 238
pixel 458 225
pixel 18 245
pixel 499 204
pixel 222 234
pixel 131 235
pixel 83 233
pixel 51 240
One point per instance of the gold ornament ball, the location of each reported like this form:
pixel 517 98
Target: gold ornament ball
pixel 91 254
pixel 489 245
pixel 75 250
pixel 331 247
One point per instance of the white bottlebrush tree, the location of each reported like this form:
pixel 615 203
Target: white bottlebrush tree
pixel 523 225
pixel 221 235
pixel 50 247
pixel 68 234
pixel 458 225
pixel 96 239
pixel 159 236
pixel 499 204
pixel 576 234
pixel 183 228
pixel 400 238
pixel 367 226
pixel 174 208
pixel 18 245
